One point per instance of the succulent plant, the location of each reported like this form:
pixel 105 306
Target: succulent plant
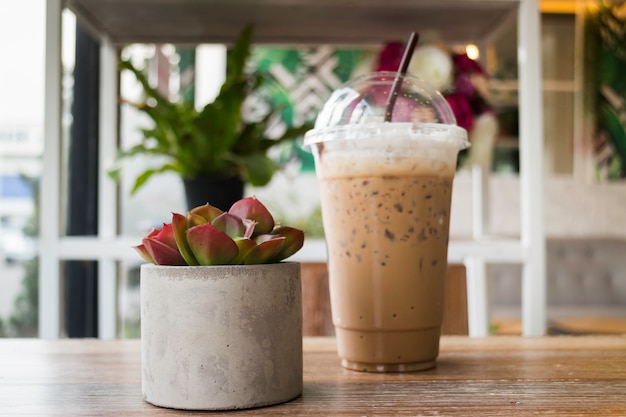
pixel 244 235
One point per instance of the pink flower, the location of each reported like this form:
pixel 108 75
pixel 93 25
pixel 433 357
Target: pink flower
pixel 463 85
pixel 465 64
pixel 462 110
pixel 390 57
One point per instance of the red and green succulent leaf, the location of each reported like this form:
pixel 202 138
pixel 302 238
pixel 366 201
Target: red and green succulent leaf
pixel 207 211
pixel 253 209
pixel 162 253
pixel 294 240
pixel 249 226
pixel 211 246
pixel 266 249
pixel 165 235
pixel 141 249
pixel 245 245
pixel 180 226
pixel 195 220
pixel 153 233
pixel 229 224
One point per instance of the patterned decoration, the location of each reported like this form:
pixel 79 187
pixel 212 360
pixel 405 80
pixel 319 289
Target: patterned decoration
pixel 302 79
pixel 606 39
pixel 186 67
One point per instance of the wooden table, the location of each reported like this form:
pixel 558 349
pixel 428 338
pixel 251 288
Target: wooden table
pixel 508 376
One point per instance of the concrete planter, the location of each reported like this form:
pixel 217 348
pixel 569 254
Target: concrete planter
pixel 221 337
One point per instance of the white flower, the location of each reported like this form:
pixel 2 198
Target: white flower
pixel 434 66
pixel 482 137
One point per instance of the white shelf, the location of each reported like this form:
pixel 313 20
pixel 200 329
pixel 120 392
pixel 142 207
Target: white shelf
pixel 314 250
pixel 492 250
pixel 292 21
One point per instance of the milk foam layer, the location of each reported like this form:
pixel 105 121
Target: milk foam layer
pixel 386 149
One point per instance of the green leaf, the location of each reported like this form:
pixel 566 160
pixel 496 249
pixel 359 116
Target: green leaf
pixel 147 174
pixel 258 169
pixel 115 173
pixel 148 89
pixel 609 118
pixel 237 56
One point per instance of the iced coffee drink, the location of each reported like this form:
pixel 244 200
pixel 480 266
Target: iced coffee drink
pixel 385 192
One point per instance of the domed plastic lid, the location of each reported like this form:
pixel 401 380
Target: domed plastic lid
pixel 364 102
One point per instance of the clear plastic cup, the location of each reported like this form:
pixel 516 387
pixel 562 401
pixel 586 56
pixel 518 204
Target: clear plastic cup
pixel 386 188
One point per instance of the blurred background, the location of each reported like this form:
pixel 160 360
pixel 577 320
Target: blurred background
pixel 584 158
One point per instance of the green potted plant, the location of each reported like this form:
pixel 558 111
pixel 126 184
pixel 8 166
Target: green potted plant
pixel 215 150
pixel 221 314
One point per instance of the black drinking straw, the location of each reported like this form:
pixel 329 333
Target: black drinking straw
pixel 397 82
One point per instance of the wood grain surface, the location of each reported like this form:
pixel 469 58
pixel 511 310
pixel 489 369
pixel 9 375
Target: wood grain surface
pixel 497 376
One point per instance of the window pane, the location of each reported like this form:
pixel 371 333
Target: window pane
pixel 21 146
pixel 128 301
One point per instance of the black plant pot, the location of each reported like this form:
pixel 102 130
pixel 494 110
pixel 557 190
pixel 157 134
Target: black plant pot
pixel 219 192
